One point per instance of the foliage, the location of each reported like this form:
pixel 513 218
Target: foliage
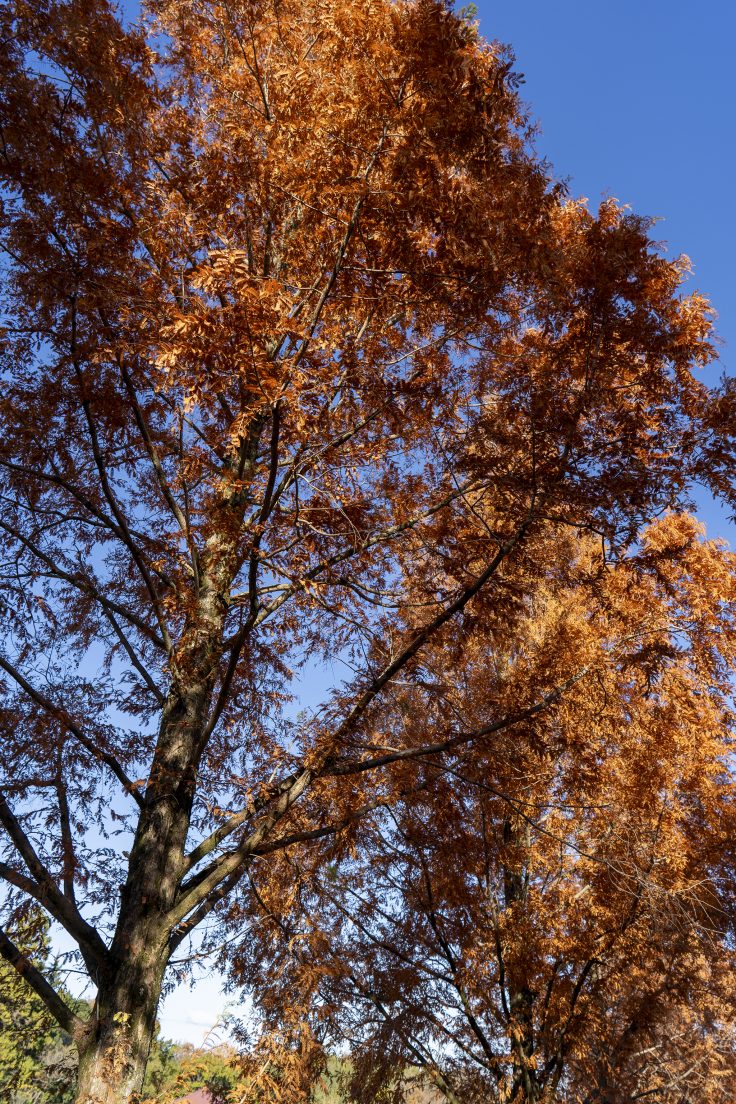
pixel 162 1068
pixel 307 367
pixel 187 1068
pixel 37 1063
pixel 26 1025
pixel 561 924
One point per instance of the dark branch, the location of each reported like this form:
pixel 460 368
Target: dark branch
pixel 60 906
pixel 66 721
pixel 357 766
pixel 61 1012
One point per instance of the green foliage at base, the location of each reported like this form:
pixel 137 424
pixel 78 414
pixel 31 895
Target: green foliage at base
pixel 173 1071
pixel 38 1063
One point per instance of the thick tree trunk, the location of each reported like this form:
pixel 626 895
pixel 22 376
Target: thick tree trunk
pixel 114 1048
pixel 112 1067
pixel 113 1051
pixel 520 997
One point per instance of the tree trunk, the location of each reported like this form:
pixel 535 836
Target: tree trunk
pixel 520 996
pixel 112 1068
pixel 113 1050
pixel 114 1047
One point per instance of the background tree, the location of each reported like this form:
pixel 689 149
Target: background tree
pixel 181 1069
pixel 37 1060
pixel 304 359
pixel 549 917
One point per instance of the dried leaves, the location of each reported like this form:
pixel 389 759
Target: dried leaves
pixel 309 367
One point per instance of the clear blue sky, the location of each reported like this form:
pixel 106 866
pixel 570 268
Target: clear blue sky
pixel 637 100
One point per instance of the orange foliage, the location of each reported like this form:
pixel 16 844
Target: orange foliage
pixel 306 360
pixel 546 914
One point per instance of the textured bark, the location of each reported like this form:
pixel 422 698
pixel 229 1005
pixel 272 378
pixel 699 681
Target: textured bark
pixel 114 1051
pixel 521 998
pixel 110 1076
pixel 115 1046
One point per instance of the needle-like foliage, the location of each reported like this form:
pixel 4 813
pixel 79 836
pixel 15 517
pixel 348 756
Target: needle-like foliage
pixel 306 363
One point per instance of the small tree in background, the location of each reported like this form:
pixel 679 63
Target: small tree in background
pixel 37 1059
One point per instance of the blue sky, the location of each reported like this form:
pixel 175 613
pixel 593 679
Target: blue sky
pixel 637 100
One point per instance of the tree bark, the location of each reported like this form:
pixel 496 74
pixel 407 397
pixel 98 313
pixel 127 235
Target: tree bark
pixel 520 997
pixel 114 1047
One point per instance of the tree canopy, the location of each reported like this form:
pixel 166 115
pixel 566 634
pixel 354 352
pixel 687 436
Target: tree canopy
pixel 546 920
pixel 308 365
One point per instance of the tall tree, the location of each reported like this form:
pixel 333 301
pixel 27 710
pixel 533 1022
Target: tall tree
pixel 550 917
pixel 304 361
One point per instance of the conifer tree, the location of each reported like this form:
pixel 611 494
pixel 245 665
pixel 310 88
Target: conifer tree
pixel 305 360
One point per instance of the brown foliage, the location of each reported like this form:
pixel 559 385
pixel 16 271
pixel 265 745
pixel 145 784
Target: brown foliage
pixel 545 915
pixel 304 358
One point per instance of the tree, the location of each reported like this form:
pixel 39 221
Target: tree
pixel 35 1065
pixel 27 1025
pixel 558 927
pixel 305 361
pixel 182 1069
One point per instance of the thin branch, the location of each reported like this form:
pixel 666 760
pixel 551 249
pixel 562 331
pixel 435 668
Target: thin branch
pixel 185 927
pixel 347 767
pixel 66 721
pixel 208 845
pixel 156 460
pixel 381 537
pixel 225 864
pixel 60 906
pixel 242 634
pixel 134 550
pixel 84 584
pixel 68 854
pixel 420 638
pixel 130 652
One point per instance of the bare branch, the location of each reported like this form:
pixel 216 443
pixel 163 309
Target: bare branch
pixel 61 907
pixel 279 844
pixel 131 654
pixel 134 550
pixel 400 754
pixel 84 584
pixel 68 855
pixel 156 461
pixel 227 863
pixel 364 546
